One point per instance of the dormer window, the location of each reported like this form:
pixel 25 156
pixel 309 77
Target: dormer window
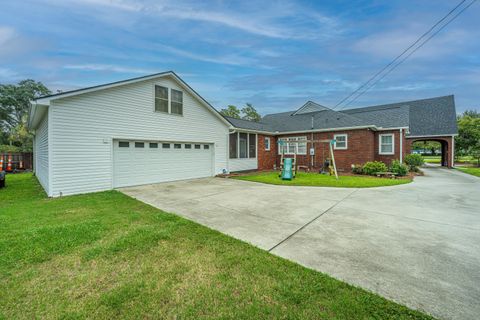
pixel 168 100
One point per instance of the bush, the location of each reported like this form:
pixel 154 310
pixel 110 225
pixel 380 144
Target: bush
pixel 373 167
pixel 414 161
pixel 357 169
pixel 399 168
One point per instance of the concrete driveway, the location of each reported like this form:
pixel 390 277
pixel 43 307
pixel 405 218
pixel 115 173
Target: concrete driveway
pixel 417 244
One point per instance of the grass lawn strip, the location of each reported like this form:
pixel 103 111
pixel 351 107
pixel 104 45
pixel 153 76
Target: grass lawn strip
pixel 320 180
pixel 106 255
pixel 472 171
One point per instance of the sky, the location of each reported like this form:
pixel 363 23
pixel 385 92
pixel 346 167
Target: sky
pixel 274 54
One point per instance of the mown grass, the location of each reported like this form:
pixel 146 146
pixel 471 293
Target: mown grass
pixel 108 256
pixel 469 170
pixel 320 180
pixel 437 159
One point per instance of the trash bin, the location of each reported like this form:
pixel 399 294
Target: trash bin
pixel 2 179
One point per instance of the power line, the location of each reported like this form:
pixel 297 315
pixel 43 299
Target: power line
pixel 406 50
pixel 406 57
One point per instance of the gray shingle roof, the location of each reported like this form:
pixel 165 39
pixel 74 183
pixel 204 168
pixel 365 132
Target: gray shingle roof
pixel 326 119
pixel 434 116
pixel 249 125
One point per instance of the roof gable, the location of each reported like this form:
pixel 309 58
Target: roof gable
pixel 309 107
pixel 45 100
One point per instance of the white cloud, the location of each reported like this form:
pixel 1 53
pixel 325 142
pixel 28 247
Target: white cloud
pixel 107 67
pixel 6 34
pixel 6 73
pixel 259 20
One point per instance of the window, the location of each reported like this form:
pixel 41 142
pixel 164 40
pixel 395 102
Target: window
pixel 252 145
pixel 177 102
pixel 233 147
pixel 123 144
pixel 139 145
pixel 177 146
pixel 386 144
pixel 161 99
pixel 206 146
pixel 166 145
pixel 341 141
pixel 197 146
pixel 242 138
pixel 188 146
pixel 292 145
pixel 153 145
pixel 267 144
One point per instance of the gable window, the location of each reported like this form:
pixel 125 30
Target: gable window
pixel 177 102
pixel 232 148
pixel 293 145
pixel 161 99
pixel 341 141
pixel 267 143
pixel 386 144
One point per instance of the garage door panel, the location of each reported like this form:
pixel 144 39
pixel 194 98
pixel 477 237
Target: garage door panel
pixel 136 166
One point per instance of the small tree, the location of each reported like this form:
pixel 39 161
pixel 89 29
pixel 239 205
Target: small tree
pixel 231 111
pixel 250 113
pixel 468 140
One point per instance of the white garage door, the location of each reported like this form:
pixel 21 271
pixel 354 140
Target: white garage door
pixel 144 162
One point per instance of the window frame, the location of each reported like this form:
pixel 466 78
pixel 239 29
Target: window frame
pixel 155 99
pixel 265 143
pixel 380 136
pixel 169 100
pixel 335 147
pixel 293 141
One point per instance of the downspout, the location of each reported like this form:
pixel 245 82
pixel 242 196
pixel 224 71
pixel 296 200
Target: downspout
pixel 401 145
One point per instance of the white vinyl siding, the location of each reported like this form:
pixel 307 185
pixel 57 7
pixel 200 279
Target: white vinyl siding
pixel 84 127
pixel 41 153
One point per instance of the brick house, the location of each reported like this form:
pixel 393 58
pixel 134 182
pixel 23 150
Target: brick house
pixel 375 133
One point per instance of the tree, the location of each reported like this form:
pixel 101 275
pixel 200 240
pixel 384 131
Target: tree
pixel 231 111
pixel 14 106
pixel 250 113
pixel 433 146
pixel 468 140
pixel 471 113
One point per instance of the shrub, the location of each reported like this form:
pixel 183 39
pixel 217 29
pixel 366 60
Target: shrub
pixel 373 167
pixel 414 161
pixel 399 168
pixel 357 169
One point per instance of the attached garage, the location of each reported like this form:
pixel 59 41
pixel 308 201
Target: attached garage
pixel 145 162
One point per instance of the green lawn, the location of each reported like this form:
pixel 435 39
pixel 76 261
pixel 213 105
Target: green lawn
pixel 108 256
pixel 437 159
pixel 321 180
pixel 472 171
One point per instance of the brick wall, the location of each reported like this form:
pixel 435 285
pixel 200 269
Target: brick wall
pixel 447 147
pixel 360 149
pixel 387 159
pixel 266 158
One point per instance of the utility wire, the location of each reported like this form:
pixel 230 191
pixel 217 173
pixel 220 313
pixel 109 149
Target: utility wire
pixel 407 56
pixel 404 51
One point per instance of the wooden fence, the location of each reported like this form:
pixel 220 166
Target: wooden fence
pixel 16 161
